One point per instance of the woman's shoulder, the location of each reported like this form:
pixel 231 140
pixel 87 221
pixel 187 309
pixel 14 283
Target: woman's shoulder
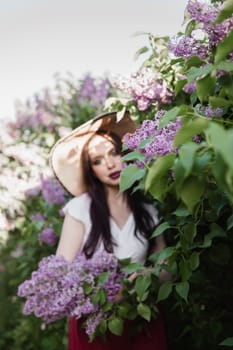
pixel 78 206
pixel 83 199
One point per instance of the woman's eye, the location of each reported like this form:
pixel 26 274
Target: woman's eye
pixel 96 162
pixel 115 153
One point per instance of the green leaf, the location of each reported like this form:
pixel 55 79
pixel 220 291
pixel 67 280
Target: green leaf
pixel 158 175
pixel 194 61
pixel 169 116
pixel 230 222
pixel 129 176
pixel 225 65
pixel 195 72
pixel 182 289
pixel 179 86
pixel 190 27
pixel 185 270
pixel 145 142
pixel 144 311
pixel 164 291
pixel 186 156
pixel 142 50
pixel 96 298
pixel 194 260
pixel 102 327
pixel 123 309
pixel 191 192
pixel 219 102
pixel 103 277
pixel 189 130
pixel 227 342
pixel 115 326
pixel 205 87
pixel 226 81
pixel 133 156
pixel 226 11
pixel 141 285
pixel 87 288
pixel 216 231
pixel 160 229
pixel 190 231
pixel 102 296
pixel 133 267
pixel 162 255
pixel 224 48
pixel 221 141
pixel 181 211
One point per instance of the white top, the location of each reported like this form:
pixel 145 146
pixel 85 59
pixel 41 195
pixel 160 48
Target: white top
pixel 127 244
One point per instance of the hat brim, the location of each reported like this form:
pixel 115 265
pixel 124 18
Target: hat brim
pixel 65 158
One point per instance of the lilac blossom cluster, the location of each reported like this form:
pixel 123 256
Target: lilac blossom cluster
pixel 205 15
pixel 95 93
pixel 189 88
pixel 145 87
pixel 202 12
pixel 48 236
pixel 188 46
pixel 51 191
pixel 59 288
pixel 211 112
pixel 160 140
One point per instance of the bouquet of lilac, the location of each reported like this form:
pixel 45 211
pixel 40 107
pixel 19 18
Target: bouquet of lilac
pixel 84 288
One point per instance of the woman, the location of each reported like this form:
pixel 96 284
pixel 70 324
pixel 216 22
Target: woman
pixel 99 217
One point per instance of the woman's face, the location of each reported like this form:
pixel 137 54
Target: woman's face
pixel 105 160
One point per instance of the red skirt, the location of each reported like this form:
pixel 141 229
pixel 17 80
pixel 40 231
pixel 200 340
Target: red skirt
pixel 153 338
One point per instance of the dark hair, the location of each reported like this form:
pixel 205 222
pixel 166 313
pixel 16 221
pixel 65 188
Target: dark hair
pixel 99 210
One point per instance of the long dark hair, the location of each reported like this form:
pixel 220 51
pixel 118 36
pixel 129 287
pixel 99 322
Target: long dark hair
pixel 99 210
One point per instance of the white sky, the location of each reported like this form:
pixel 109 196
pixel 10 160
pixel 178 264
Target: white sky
pixel 39 38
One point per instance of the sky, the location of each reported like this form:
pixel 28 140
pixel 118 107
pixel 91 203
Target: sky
pixel 39 38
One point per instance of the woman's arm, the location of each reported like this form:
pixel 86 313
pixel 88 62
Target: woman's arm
pixel 71 239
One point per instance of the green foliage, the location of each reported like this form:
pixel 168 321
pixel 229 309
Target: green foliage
pixel 193 193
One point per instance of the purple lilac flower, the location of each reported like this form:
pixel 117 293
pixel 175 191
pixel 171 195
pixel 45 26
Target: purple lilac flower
pixel 93 322
pixel 33 192
pixel 210 112
pixel 100 94
pixel 160 141
pixel 37 217
pixel 217 32
pixel 189 88
pixel 48 236
pixel 87 89
pixel 202 12
pixel 205 15
pixel 52 191
pixel 93 92
pixel 57 288
pixel 187 46
pixel 145 87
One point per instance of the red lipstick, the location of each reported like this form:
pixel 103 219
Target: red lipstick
pixel 115 175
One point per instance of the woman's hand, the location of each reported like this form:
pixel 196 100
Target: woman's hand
pixel 119 296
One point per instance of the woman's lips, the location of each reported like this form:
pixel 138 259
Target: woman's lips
pixel 115 175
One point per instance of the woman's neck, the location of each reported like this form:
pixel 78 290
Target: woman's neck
pixel 115 198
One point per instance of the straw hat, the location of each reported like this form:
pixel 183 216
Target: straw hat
pixel 65 158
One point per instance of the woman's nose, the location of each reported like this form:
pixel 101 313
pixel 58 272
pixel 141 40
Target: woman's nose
pixel 109 162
